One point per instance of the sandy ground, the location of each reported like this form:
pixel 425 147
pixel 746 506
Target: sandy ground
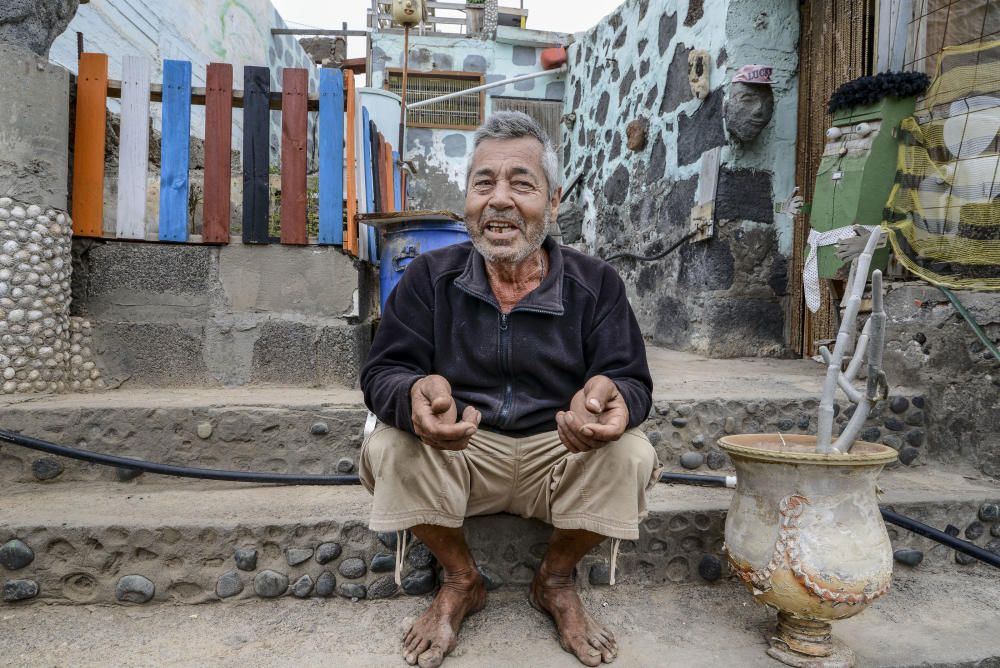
pixel 929 619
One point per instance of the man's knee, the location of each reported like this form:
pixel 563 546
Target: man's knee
pixel 387 449
pixel 631 455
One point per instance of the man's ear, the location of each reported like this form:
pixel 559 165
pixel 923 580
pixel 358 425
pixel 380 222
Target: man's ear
pixel 554 202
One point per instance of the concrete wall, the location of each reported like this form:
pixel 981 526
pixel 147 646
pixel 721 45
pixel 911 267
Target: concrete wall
pixel 167 315
pixel 440 156
pixel 723 297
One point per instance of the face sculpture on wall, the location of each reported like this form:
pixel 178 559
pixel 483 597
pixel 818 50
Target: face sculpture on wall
pixel 751 102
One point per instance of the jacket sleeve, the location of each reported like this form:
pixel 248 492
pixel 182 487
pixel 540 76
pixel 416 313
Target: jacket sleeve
pixel 403 348
pixel 615 348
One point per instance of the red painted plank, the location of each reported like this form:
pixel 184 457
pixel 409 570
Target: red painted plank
pixel 389 193
pixel 218 152
pixel 294 130
pixel 350 131
pixel 88 148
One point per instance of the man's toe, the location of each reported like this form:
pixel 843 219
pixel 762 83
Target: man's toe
pixel 432 657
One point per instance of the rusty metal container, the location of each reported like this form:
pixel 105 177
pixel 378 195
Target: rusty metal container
pixel 805 534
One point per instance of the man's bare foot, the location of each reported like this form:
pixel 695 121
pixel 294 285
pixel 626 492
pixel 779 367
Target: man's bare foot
pixel 579 634
pixel 435 633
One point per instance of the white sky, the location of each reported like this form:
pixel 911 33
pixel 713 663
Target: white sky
pixel 557 15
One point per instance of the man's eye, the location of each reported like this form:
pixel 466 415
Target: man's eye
pixel 483 184
pixel 524 186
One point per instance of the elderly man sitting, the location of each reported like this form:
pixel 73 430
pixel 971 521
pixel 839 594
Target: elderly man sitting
pixel 508 375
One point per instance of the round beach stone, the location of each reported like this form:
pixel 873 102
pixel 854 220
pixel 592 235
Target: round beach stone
pixel 319 429
pixel 124 474
pixel 915 437
pixel 355 592
pixel 204 430
pixel 270 584
pixel 908 455
pixel 871 434
pixel 710 567
pixel 246 558
pixel 297 555
pixel 352 567
pixel 908 556
pixel 46 469
pixel 993 546
pixel 229 584
pixel 716 459
pixel 698 441
pixel 952 530
pixel 420 582
pixel 383 562
pixel 134 589
pixel 600 574
pixel 894 442
pixel 989 512
pixel 654 437
pixel 326 584
pixel 387 538
pixel 894 424
pixel 995 530
pixel 15 555
pixel 302 587
pixel 899 404
pixel 345 465
pixel 915 419
pixel 975 530
pixel 383 587
pixel 785 424
pixel 692 460
pixel 327 552
pixel 679 422
pixel 19 590
pixel 420 556
pixel 964 559
pixel 490 579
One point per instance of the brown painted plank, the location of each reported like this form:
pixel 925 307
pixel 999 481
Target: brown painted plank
pixel 88 148
pixel 198 95
pixel 294 130
pixel 350 132
pixel 218 152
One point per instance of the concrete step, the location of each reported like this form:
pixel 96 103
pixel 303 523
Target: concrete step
pixel 183 538
pixel 319 430
pixel 930 617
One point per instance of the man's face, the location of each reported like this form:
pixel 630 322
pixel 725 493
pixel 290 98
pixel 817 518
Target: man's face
pixel 507 206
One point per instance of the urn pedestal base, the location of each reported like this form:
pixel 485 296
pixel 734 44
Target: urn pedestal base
pixel 807 643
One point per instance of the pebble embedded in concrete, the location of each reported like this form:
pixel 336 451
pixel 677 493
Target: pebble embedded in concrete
pixel 205 430
pixel 297 555
pixel 490 579
pixel 710 567
pixel 420 582
pixel 716 459
pixel 319 429
pixel 46 469
pixel 908 455
pixel 993 546
pixel 303 586
pixel 600 574
pixel 15 554
pixel 383 587
pixel 19 590
pixel 420 556
pixel 383 562
pixel 908 556
pixel 229 584
pixel 964 559
pixel 327 552
pixel 352 567
pixel 899 404
pixel 989 512
pixel 345 465
pixel 355 592
pixel 135 589
pixel 123 474
pixel 975 530
pixel 246 558
pixel 692 460
pixel 387 538
pixel 270 584
pixel 326 583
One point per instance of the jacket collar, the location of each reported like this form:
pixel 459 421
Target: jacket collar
pixel 546 298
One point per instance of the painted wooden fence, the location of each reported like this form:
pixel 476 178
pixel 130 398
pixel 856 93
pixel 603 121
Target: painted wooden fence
pixel 347 171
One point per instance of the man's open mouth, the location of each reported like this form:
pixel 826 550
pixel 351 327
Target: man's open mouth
pixel 500 227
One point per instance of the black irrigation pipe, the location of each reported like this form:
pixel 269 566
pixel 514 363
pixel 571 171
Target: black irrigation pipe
pixel 293 479
pixel 652 258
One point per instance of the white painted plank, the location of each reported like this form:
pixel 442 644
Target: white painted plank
pixel 133 156
pixel 709 178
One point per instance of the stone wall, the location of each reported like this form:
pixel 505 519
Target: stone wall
pixel 440 155
pixel 724 297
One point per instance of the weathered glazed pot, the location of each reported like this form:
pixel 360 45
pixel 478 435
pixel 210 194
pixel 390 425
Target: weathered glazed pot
pixel 805 534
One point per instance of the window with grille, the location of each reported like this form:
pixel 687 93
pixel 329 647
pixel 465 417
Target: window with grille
pixel 940 23
pixel 463 112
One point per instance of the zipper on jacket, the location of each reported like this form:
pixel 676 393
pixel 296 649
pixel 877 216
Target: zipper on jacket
pixel 508 391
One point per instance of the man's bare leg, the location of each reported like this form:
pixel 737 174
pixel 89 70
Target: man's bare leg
pixel 554 591
pixel 462 593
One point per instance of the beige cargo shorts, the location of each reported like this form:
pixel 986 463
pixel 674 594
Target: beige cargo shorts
pixel 603 491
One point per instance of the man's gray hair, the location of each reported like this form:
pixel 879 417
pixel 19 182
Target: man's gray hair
pixel 513 125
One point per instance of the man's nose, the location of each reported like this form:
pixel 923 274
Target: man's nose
pixel 501 198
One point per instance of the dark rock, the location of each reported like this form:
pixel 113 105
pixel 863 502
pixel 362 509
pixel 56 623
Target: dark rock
pixel 849 411
pixel 899 404
pixel 993 546
pixel 491 580
pixel 743 325
pixel 123 474
pixel 975 530
pixel 420 556
pixel 654 437
pixel 893 442
pixel 327 552
pixel 698 441
pixel 641 46
pixel 617 186
pixel 667 30
pixel 995 530
pixel 383 587
pixel 918 401
pixel 270 584
pixel 657 161
pixel 679 422
pixel 915 437
pixel 345 465
pixel 601 112
pixel 710 567
pixel 20 590
pixel 651 96
pixel 894 424
pixel 952 530
pixel 229 584
pixel 420 582
pixel 908 455
pixel 989 512
pixel 914 419
pixel 803 422
pixel 355 592
pixel 871 434
pixel 723 56
pixel 676 89
pixel 920 338
pixel 326 583
pixel 15 555
pixel 625 87
pixel 246 558
pixel 908 556
pixel 319 429
pixel 297 555
pixel 716 459
pixel 786 425
pixel 743 194
pixel 570 222
pixel 964 559
pixel 134 589
pixel 709 266
pixel 692 460
pixel 600 574
pixel 696 9
pixel 383 562
pixel 352 567
pixel 616 148
pixel 46 469
pixel 643 68
pixel 303 586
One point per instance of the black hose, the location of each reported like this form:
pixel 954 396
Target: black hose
pixel 295 479
pixel 651 258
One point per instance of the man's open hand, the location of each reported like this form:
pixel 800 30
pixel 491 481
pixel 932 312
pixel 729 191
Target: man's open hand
pixel 434 415
pixel 597 416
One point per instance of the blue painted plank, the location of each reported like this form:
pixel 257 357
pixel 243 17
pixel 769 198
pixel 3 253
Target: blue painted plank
pixel 397 178
pixel 331 156
pixel 369 186
pixel 175 151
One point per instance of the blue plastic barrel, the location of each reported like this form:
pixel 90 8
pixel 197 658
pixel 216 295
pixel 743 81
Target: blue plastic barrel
pixel 404 241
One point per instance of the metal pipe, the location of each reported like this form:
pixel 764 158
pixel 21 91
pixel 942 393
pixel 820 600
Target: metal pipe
pixel 523 77
pixel 964 312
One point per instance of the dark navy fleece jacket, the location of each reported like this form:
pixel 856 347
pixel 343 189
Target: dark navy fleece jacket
pixel 518 369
